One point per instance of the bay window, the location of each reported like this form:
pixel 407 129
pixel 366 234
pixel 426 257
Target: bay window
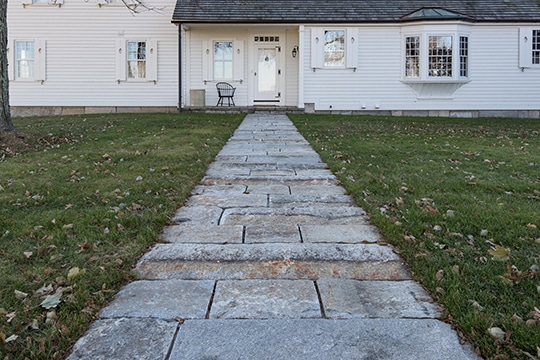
pixel 433 57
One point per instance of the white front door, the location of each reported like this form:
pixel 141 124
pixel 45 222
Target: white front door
pixel 267 73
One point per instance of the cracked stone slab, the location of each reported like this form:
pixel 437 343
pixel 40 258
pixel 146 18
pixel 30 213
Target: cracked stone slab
pixel 197 215
pixel 273 232
pixel 340 233
pixel 165 299
pixel 201 234
pixel 126 339
pixel 308 339
pixel 265 299
pixel 344 299
pixel 316 215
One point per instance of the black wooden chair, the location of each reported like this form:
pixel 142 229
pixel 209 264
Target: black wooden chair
pixel 225 91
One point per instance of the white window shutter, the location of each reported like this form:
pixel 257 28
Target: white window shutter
pixel 317 47
pixel 11 55
pixel 238 60
pixel 525 47
pixel 120 59
pixel 151 60
pixel 351 48
pixel 40 61
pixel 206 60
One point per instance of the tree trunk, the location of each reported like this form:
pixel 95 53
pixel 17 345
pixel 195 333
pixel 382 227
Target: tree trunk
pixel 5 113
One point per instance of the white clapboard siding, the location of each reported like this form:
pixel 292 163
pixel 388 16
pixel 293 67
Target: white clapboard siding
pixel 496 81
pixel 81 47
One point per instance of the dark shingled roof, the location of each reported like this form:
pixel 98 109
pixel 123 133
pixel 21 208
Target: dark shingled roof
pixel 349 11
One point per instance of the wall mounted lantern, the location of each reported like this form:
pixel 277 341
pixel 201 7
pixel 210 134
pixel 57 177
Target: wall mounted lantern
pixel 294 51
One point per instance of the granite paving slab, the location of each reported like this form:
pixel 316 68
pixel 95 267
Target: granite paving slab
pixel 265 299
pixel 229 201
pixel 308 339
pixel 317 215
pixel 343 299
pixel 340 234
pixel 198 215
pixel 310 200
pixel 272 233
pixel 166 299
pixel 126 339
pixel 203 234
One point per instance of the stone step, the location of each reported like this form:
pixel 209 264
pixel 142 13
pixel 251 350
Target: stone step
pixel 271 261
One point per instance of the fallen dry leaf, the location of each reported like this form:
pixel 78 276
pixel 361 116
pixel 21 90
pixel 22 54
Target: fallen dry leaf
pixel 439 275
pixel 497 333
pixel 51 301
pixel 500 253
pixel 20 295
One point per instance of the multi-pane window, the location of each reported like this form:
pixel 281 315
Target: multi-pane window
pixel 136 59
pixel 536 47
pixel 440 56
pixel 412 56
pixel 463 56
pixel 24 59
pixel 334 48
pixel 437 57
pixel 223 60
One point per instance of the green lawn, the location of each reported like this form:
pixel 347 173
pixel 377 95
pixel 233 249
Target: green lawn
pixel 81 199
pixel 460 200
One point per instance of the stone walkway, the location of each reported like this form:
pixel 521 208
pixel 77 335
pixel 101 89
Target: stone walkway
pixel 270 259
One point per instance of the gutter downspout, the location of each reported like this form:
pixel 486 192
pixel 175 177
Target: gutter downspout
pixel 179 67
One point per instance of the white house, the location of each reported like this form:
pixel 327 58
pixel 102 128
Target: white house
pixel 439 58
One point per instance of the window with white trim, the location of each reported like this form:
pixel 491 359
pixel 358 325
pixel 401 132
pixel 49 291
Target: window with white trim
pixel 464 56
pixel 223 60
pixel 535 44
pixel 24 59
pixel 334 48
pixel 27 60
pixel 440 56
pixel 412 56
pixel 136 59
pixel 433 57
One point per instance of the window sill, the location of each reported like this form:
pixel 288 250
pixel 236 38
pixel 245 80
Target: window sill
pixel 435 88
